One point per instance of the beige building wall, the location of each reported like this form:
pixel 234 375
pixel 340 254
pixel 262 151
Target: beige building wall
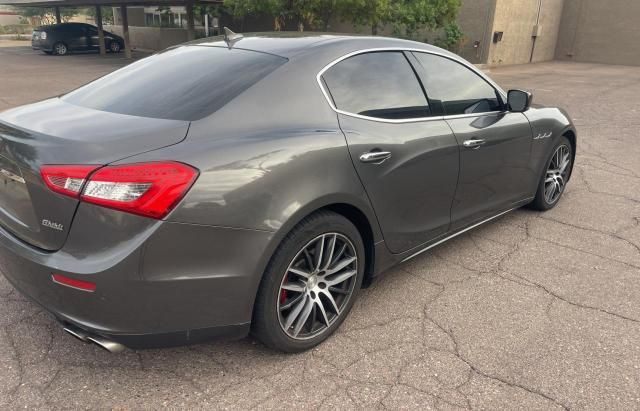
pixel 517 19
pixel 476 20
pixel 600 31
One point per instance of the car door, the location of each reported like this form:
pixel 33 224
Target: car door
pixel 403 151
pixel 77 37
pixel 495 144
pixel 93 41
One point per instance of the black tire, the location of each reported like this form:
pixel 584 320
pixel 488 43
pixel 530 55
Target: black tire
pixel 266 324
pixel 540 203
pixel 60 49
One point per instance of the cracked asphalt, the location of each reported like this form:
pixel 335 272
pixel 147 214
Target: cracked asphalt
pixel 532 311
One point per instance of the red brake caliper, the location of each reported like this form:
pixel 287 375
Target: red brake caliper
pixel 283 292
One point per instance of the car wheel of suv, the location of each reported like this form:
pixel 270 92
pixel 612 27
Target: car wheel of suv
pixel 554 180
pixel 60 49
pixel 114 47
pixel 310 284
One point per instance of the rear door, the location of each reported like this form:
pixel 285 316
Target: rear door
pixel 76 37
pixel 495 144
pixel 93 40
pixel 404 153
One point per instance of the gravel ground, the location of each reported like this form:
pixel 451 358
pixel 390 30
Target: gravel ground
pixel 530 311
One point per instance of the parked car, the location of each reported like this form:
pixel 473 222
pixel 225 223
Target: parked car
pixel 63 38
pixel 257 183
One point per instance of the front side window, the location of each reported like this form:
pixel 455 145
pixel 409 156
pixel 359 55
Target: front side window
pixel 459 89
pixel 381 85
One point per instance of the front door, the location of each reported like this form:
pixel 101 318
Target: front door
pixel 403 151
pixel 495 145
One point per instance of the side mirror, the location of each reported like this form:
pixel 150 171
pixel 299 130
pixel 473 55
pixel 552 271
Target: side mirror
pixel 519 100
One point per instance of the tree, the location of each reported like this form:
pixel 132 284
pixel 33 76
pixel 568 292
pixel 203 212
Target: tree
pixel 370 13
pixel 406 16
pixel 107 14
pixel 44 15
pixel 307 14
pixel 424 14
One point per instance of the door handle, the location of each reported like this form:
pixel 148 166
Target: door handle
pixel 375 157
pixel 474 143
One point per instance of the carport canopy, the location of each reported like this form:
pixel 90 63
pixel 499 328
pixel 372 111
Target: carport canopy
pixel 56 4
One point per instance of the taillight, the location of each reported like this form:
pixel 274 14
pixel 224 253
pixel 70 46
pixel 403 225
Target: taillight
pixel 67 180
pixel 148 189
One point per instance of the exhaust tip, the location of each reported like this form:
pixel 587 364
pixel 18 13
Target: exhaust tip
pixel 111 346
pixel 104 343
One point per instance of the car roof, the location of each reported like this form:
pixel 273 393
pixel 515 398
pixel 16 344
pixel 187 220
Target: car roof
pixel 291 44
pixel 62 25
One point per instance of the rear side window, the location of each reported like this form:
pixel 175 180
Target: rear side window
pixel 381 85
pixel 460 90
pixel 185 83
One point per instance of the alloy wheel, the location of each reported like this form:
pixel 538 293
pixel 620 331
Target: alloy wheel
pixel 61 49
pixel 557 173
pixel 115 47
pixel 317 286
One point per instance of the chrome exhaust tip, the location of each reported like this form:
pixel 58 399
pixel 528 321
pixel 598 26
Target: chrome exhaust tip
pixel 111 346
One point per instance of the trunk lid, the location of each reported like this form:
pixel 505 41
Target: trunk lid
pixel 56 132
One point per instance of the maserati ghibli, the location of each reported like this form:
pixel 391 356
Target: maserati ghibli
pixel 254 184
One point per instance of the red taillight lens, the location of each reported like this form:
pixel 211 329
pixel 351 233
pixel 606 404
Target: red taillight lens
pixel 148 189
pixel 67 180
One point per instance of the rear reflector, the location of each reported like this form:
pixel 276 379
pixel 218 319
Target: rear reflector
pixel 148 189
pixel 73 283
pixel 67 180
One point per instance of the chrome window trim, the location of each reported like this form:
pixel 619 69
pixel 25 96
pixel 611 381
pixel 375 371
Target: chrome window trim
pixel 408 120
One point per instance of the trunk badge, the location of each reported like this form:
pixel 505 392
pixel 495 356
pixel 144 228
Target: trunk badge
pixel 11 176
pixel 51 224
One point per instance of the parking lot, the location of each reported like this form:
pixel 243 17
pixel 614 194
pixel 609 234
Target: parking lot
pixel 534 310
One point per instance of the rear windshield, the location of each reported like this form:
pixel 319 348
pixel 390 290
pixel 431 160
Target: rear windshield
pixel 185 83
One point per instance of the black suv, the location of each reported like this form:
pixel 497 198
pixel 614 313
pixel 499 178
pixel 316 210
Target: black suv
pixel 62 38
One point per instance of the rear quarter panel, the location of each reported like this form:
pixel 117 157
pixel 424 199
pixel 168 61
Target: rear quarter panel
pixel 267 159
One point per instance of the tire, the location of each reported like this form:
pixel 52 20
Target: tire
pixel 60 49
pixel 115 47
pixel 543 202
pixel 271 318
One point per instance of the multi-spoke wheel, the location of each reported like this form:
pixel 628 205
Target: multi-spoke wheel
pixel 60 49
pixel 311 283
pixel 555 179
pixel 557 174
pixel 316 285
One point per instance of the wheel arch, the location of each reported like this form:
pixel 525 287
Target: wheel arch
pixel 570 134
pixel 353 209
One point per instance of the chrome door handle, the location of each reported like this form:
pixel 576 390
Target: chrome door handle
pixel 473 143
pixel 376 157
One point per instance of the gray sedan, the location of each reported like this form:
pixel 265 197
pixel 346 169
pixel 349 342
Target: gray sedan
pixel 256 184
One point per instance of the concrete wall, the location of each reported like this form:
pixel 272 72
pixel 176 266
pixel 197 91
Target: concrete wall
pixel 475 20
pixel 517 19
pixel 152 38
pixel 600 31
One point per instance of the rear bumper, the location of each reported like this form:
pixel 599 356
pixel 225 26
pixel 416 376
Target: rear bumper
pixel 169 284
